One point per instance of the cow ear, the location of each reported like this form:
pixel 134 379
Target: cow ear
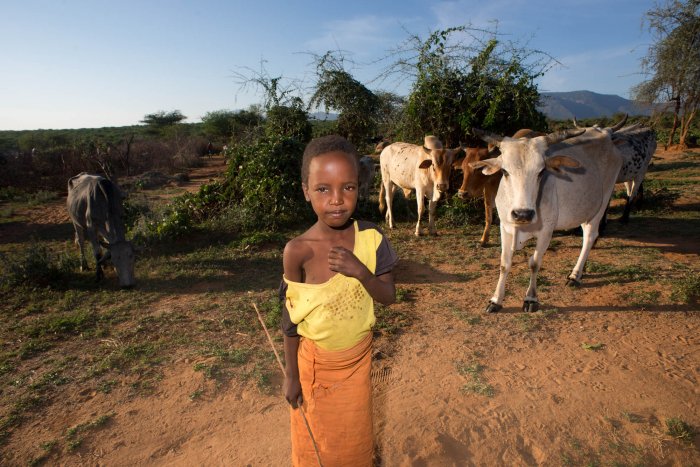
pixel 488 166
pixel 425 163
pixel 555 163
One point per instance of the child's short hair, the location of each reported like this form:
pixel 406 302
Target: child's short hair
pixel 324 145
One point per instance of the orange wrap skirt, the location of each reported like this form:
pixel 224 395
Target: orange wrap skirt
pixel 337 394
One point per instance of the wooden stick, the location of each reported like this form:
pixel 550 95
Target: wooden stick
pixel 279 360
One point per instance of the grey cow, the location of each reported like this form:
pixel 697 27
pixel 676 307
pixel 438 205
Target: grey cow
pixel 95 208
pixel 636 144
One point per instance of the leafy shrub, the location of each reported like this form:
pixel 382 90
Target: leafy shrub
pixel 456 212
pixel 263 181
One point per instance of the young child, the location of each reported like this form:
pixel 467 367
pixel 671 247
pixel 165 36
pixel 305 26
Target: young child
pixel 333 272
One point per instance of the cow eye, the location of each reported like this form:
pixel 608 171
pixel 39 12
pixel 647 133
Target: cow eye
pixel 504 172
pixel 539 175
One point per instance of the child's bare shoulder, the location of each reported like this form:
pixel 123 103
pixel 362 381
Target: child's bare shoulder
pixel 296 252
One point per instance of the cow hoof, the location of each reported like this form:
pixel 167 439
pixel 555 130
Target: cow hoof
pixel 530 306
pixel 493 308
pixel 572 283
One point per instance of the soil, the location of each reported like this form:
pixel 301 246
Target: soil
pixel 590 380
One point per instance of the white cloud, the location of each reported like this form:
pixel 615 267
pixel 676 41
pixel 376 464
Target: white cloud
pixel 362 35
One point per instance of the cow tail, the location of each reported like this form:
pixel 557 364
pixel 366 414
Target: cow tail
pixel 382 201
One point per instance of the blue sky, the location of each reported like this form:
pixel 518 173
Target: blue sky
pixel 94 63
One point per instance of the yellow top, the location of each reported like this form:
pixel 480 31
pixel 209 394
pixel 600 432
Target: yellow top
pixel 339 313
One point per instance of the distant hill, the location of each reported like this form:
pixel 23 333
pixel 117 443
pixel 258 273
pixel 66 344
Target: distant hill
pixel 587 104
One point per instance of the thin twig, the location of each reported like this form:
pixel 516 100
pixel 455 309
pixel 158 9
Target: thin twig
pixel 279 360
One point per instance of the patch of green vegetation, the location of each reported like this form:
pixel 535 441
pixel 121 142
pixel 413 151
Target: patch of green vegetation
pixel 630 272
pixel 105 387
pixel 528 322
pixel 35 265
pixel 641 298
pixel 196 394
pixel 687 288
pixel 391 320
pixel 594 347
pixel 40 197
pixel 259 239
pixel 680 430
pixel 403 295
pixel 476 383
pixel 75 435
pixel 62 324
pixel 47 448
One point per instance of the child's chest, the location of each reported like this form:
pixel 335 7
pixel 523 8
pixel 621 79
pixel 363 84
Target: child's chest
pixel 316 268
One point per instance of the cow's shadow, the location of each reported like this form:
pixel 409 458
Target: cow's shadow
pixel 413 272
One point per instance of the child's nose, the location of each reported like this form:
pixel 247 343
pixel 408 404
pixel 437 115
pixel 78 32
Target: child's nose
pixel 337 198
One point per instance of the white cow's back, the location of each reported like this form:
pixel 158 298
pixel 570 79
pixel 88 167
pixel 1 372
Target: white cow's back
pixel 580 193
pixel 399 163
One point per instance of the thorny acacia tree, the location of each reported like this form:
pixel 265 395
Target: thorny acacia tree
pixel 336 89
pixel 673 62
pixel 464 77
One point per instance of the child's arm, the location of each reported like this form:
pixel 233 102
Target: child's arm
pixel 292 261
pixel 292 385
pixel 380 288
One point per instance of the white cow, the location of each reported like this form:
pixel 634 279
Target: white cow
pixel 536 196
pixel 425 169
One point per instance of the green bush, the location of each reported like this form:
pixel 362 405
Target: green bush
pixel 456 212
pixel 263 182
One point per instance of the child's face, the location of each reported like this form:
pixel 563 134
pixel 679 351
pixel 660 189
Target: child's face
pixel 332 188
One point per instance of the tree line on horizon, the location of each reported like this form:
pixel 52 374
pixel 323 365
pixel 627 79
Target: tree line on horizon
pixel 461 78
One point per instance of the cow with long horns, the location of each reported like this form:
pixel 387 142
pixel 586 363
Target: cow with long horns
pixel 553 182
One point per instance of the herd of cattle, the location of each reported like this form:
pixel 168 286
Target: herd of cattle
pixel 538 182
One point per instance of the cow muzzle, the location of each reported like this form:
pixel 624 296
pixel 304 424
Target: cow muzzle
pixel 442 187
pixel 462 194
pixel 522 216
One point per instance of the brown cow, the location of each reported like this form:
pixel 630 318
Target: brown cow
pixel 475 183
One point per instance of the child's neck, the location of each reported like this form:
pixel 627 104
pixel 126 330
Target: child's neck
pixel 334 232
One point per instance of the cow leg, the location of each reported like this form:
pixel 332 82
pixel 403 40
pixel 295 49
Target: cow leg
pixel 508 242
pixel 632 189
pixel 80 241
pixel 489 201
pixel 421 205
pixel 590 234
pixel 92 236
pixel 389 196
pixel 535 262
pixel 432 207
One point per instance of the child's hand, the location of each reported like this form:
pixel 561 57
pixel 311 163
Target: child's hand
pixel 345 262
pixel 292 392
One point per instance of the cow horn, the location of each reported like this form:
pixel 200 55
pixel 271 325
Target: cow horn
pixel 559 136
pixel 619 125
pixel 575 122
pixel 488 136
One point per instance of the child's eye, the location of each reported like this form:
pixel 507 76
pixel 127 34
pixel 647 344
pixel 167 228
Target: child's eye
pixel 350 187
pixel 322 189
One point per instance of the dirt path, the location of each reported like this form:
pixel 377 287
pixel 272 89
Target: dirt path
pixel 589 380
